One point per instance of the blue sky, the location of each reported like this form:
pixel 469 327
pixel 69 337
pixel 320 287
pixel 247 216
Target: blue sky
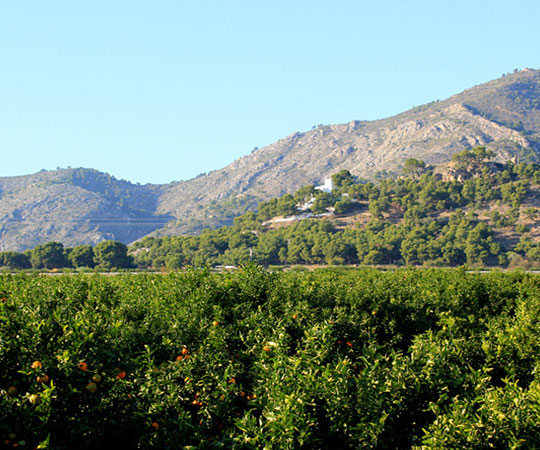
pixel 164 90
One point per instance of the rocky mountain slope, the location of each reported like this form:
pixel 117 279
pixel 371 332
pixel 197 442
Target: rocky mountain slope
pixel 83 206
pixel 74 206
pixel 503 115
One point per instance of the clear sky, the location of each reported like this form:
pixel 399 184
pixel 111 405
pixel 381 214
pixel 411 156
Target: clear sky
pixel 156 91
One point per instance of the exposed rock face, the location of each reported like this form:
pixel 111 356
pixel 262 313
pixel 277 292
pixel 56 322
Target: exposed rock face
pixel 501 115
pixel 52 206
pixel 77 206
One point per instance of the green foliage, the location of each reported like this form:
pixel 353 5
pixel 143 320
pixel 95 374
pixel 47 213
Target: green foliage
pixel 322 202
pixel 49 256
pixel 476 155
pixel 82 256
pixel 112 254
pixel 14 260
pixel 342 179
pixel 349 359
pixel 414 167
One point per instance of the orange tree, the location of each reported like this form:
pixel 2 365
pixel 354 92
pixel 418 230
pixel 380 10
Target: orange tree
pixel 253 359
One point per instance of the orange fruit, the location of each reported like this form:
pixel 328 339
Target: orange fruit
pixel 96 378
pixel 215 323
pixel 83 366
pixel 121 375
pixel 266 348
pixel 37 365
pixel 91 387
pixel 185 351
pixel 155 425
pixel 43 378
pixel 232 381
pixel 179 358
pixel 12 390
pixel 349 344
pixel 295 316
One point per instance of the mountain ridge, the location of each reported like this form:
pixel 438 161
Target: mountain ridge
pixel 503 115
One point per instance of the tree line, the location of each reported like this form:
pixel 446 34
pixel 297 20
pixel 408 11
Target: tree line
pixel 53 255
pixel 426 216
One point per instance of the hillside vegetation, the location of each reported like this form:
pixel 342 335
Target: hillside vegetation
pixel 470 211
pixel 84 206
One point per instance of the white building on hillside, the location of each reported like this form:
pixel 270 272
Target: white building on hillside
pixel 327 186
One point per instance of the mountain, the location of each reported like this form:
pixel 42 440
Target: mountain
pixel 76 206
pixel 503 115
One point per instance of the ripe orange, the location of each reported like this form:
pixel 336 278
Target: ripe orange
pixel 121 375
pixel 232 381
pixel 215 323
pixel 295 316
pixel 266 348
pixel 179 358
pixel 91 387
pixel 12 390
pixel 42 378
pixel 349 344
pixel 155 425
pixel 96 378
pixel 185 351
pixel 83 366
pixel 37 365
